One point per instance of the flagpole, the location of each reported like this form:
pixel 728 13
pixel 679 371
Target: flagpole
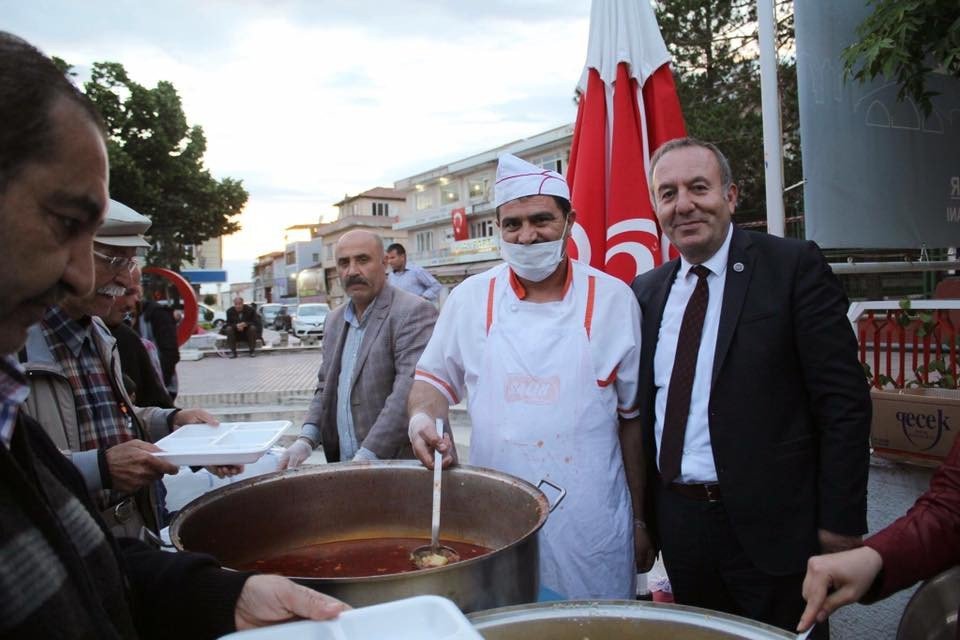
pixel 770 110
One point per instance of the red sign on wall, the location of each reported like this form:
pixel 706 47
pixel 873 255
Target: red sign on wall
pixel 459 216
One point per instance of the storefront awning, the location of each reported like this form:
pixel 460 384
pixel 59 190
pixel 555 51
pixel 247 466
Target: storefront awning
pixel 462 269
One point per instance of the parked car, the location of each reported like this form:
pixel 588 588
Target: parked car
pixel 309 320
pixel 215 317
pixel 268 315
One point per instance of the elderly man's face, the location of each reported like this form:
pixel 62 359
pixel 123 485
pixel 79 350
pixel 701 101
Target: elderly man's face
pixel 49 212
pixel 112 279
pixel 238 304
pixel 123 305
pixel 360 263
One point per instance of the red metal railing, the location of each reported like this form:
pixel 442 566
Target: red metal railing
pixel 903 346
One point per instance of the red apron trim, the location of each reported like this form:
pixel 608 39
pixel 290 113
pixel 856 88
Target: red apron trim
pixel 610 378
pixel 440 381
pixel 588 315
pixel 569 280
pixel 493 284
pixel 521 291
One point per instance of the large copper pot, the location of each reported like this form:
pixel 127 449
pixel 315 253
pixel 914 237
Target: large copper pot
pixel 576 620
pixel 262 516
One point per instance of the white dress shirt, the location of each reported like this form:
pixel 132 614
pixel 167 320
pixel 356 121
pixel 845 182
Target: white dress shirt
pixel 697 465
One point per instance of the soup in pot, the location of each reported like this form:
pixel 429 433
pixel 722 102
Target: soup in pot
pixel 353 558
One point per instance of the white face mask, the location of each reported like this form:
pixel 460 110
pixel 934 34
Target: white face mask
pixel 534 262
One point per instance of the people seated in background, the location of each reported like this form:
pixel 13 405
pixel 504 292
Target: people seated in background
pixel 241 323
pixel 410 277
pixel 917 546
pixel 283 321
pixel 257 320
pixel 371 347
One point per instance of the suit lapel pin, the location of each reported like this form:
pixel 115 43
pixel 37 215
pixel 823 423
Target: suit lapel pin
pixel 738 266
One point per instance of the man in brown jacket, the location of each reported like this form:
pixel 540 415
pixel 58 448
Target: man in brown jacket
pixel 370 348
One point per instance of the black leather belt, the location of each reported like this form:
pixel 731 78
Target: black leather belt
pixel 703 492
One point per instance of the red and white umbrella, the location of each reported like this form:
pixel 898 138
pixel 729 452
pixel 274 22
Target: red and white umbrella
pixel 628 108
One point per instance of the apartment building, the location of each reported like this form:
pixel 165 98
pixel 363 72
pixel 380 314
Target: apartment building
pixel 204 264
pixel 269 277
pixel 376 210
pixel 449 218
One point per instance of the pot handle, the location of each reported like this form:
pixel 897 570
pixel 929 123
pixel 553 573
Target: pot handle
pixel 148 536
pixel 562 493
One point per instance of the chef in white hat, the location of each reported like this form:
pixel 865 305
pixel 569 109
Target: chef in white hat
pixel 546 350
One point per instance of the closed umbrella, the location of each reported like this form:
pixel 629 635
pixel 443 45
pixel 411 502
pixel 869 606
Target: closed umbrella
pixel 628 107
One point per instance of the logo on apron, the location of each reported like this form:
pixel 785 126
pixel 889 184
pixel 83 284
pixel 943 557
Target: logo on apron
pixel 531 389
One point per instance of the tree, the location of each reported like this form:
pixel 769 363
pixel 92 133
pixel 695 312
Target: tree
pixel 715 60
pixel 156 165
pixel 905 40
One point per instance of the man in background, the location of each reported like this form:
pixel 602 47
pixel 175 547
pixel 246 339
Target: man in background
pixel 370 348
pixel 241 323
pixel 410 277
pixel 157 323
pixel 135 360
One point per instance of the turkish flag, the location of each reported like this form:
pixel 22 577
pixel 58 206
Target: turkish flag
pixel 459 216
pixel 628 108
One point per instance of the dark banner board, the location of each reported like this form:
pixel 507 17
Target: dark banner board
pixel 878 173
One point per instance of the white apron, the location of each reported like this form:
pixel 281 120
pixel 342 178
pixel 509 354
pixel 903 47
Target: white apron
pixel 539 412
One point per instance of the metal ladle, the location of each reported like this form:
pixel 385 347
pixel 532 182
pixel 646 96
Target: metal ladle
pixel 435 554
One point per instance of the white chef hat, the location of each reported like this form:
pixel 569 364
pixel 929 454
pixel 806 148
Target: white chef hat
pixel 517 178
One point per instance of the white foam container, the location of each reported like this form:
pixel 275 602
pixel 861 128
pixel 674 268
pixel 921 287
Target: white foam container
pixel 417 618
pixel 227 443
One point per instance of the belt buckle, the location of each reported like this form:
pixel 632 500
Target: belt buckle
pixel 712 491
pixel 124 510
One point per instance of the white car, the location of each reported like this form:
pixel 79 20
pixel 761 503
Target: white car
pixel 309 320
pixel 214 316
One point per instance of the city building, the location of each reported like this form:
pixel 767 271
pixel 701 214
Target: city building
pixel 298 256
pixel 241 289
pixel 205 264
pixel 377 210
pixel 269 277
pixel 450 220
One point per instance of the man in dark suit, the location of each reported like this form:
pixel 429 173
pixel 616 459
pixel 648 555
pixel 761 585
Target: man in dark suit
pixel 370 348
pixel 756 409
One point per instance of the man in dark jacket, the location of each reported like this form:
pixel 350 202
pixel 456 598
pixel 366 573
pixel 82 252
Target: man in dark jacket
pixel 64 574
pixel 134 357
pixel 241 321
pixel 158 325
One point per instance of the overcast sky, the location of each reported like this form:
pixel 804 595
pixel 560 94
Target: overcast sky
pixel 306 101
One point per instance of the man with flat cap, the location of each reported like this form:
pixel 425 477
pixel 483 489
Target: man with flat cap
pixel 77 391
pixel 551 387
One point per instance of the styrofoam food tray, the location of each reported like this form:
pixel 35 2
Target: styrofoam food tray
pixel 417 618
pixel 227 443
